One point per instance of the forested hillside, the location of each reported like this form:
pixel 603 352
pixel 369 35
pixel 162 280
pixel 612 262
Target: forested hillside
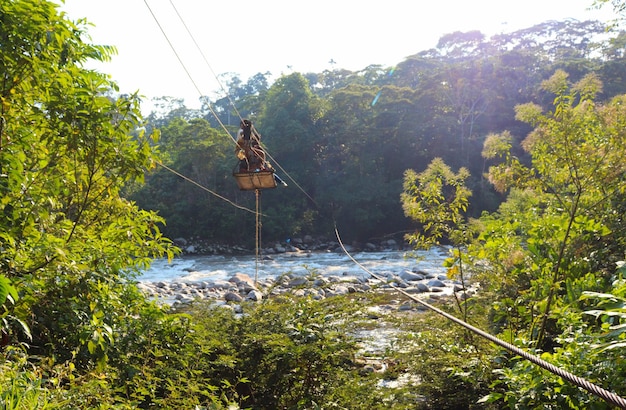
pixel 510 149
pixel 347 137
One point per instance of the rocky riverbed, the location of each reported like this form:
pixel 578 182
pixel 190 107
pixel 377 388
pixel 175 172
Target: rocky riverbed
pixel 306 243
pixel 307 266
pixel 241 287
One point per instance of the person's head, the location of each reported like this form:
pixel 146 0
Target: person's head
pixel 246 127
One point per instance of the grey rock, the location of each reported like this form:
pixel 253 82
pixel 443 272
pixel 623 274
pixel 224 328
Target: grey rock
pixel 242 279
pixel 422 287
pixel 398 282
pixel 232 297
pixel 411 276
pixel 255 295
pixel 295 282
pixel 436 283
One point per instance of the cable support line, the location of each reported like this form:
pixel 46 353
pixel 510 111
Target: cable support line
pixel 219 82
pixel 596 390
pixel 257 213
pixel 205 188
pixel 206 61
pixel 257 254
pixel 172 47
pixel 290 177
pixel 186 70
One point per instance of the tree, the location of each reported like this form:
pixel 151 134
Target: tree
pixel 289 124
pixel 557 235
pixel 460 45
pixel 69 241
pixel 205 156
pixel 437 199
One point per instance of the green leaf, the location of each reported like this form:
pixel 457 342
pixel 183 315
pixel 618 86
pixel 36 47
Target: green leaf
pixel 7 291
pixel 490 398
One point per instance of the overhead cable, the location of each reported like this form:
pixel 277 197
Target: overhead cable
pixel 578 381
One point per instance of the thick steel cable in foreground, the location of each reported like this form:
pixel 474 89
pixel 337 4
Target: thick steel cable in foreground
pixel 606 395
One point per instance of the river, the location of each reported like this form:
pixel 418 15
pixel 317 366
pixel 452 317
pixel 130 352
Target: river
pixel 211 268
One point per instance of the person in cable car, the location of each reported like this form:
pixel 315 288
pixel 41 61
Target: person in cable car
pixel 250 153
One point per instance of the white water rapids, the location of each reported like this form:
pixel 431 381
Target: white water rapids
pixel 212 268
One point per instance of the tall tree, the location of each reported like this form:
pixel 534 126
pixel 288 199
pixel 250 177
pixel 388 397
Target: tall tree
pixel 289 126
pixel 69 240
pixel 557 235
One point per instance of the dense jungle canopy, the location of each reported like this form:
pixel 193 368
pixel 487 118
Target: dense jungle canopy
pixel 346 138
pixel 510 149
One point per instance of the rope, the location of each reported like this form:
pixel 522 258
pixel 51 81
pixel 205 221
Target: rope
pixel 580 382
pixel 205 188
pixel 221 87
pixel 187 71
pixel 206 61
pixel 290 178
pixel 254 132
pixel 257 244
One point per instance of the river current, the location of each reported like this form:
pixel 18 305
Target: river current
pixel 212 268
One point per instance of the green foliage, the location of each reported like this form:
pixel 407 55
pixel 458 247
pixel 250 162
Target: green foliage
pixel 346 138
pixel 545 251
pixel 70 243
pixel 202 154
pixel 82 336
pixel 610 309
pixel 454 367
pixel 282 353
pixel 543 256
pixel 292 353
pixel 570 212
pixel 526 386
pixel 437 199
pixel 21 387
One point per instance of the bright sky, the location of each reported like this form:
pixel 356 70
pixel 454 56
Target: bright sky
pixel 246 37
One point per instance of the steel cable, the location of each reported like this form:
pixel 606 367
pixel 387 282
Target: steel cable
pixel 578 381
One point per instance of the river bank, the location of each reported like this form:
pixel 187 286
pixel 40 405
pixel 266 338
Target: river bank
pixel 306 243
pixel 232 279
